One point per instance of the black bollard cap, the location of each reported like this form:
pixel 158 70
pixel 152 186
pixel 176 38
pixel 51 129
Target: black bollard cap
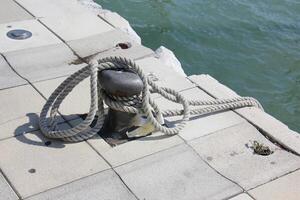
pixel 120 82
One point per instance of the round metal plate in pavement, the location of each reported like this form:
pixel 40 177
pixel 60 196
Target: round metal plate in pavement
pixel 19 34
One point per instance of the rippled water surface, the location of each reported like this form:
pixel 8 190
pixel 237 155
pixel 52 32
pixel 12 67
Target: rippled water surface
pixel 251 46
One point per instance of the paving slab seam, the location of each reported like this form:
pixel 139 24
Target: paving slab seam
pixel 142 57
pixel 34 130
pixel 24 8
pixel 235 195
pixel 11 120
pixel 129 189
pixel 271 139
pixel 87 58
pixel 298 169
pixel 50 79
pixel 15 73
pixel 125 163
pixel 112 168
pixel 2 89
pixel 209 134
pixel 265 134
pixel 145 56
pixel 106 21
pixel 61 40
pixel 31 84
pixel 81 178
pixel 183 90
pixel 250 195
pixel 244 192
pixel 79 57
pixel 210 165
pixel 48 29
pixel 83 60
pixel 10 184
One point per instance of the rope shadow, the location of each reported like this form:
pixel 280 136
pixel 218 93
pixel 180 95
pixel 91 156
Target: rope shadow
pixel 23 132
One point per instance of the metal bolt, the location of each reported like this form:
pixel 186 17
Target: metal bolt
pixel 19 34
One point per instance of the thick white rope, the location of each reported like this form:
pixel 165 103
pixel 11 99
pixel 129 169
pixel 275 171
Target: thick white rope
pixel 146 105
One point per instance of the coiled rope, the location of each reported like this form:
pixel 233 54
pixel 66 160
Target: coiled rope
pixel 147 106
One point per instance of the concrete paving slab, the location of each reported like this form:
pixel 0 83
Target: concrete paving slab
pixel 212 86
pixel 68 19
pixel 199 126
pixel 40 36
pixel 40 164
pixel 135 52
pixel 5 190
pixel 104 185
pixel 11 11
pixel 164 75
pixel 77 102
pixel 229 152
pixel 24 125
pixel 50 8
pixel 8 78
pixel 135 149
pixel 271 127
pixel 76 27
pixel 19 126
pixel 286 187
pixel 166 175
pixel 243 196
pixel 117 21
pixel 44 63
pixel 17 105
pixel 108 41
pixel 114 19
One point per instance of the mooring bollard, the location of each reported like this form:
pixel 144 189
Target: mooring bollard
pixel 122 84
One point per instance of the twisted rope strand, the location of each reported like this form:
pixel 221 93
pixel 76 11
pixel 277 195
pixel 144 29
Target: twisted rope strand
pixel 142 104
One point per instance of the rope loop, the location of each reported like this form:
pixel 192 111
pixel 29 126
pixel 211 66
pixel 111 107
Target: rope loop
pixel 142 104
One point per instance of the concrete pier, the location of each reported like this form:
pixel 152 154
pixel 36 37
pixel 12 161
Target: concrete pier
pixel 210 159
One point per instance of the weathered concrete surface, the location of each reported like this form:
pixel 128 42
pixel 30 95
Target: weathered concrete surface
pixel 77 102
pixel 286 187
pixel 242 197
pixel 38 167
pixel 53 8
pixel 229 152
pixel 199 126
pixel 177 173
pixel 268 124
pixel 134 52
pixel 21 125
pixel 75 27
pixel 134 150
pixel 42 63
pixel 5 190
pixel 104 185
pixel 119 22
pixel 8 78
pixel 163 75
pixel 107 41
pixel 40 36
pixel 16 106
pixel 11 11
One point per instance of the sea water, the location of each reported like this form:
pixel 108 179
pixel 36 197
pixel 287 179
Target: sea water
pixel 251 46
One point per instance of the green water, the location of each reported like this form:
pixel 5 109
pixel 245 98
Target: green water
pixel 251 46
